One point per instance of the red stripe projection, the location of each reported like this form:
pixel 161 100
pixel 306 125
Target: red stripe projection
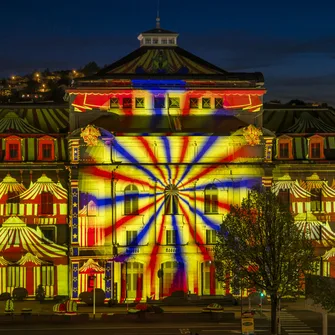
pixel 182 157
pixel 153 257
pixel 196 236
pixel 152 156
pixel 212 167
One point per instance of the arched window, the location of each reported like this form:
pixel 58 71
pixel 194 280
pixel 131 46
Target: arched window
pixel 171 199
pixel 47 203
pixel 211 199
pixel 131 200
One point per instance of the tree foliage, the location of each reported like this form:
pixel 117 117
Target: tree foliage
pixel 260 246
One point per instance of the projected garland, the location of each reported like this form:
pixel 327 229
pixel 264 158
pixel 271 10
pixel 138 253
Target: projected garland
pixel 168 188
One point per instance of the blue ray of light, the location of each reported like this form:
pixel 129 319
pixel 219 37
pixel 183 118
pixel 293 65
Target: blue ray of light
pixel 168 154
pixel 178 254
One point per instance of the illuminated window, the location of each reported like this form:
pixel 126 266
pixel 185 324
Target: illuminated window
pixel 171 199
pixel 159 102
pixel 171 237
pixel 211 199
pixel 114 103
pixel 194 102
pixel 49 232
pixel 218 103
pixel 284 198
pixel 164 41
pixel 284 148
pixel 47 203
pixel 155 41
pixel 46 148
pixel 206 102
pixel 148 41
pixel 210 236
pixel 131 236
pixel 139 102
pixel 315 150
pixel 47 275
pixel 316 147
pixel 316 199
pixel 127 103
pixel 131 200
pixel 171 41
pixel 13 203
pixel 174 102
pixel 13 148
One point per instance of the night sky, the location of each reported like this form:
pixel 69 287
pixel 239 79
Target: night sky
pixel 291 42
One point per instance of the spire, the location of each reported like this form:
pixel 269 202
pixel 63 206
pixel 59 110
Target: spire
pixel 158 20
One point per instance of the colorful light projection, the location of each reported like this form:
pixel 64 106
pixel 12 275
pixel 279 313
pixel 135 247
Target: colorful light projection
pixel 168 188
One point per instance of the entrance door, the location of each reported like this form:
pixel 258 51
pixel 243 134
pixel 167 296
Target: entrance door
pixel 210 285
pixel 134 281
pixel 173 278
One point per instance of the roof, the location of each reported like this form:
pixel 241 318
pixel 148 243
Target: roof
pixel 10 184
pixel 202 124
pixel 298 119
pixel 158 60
pixel 34 119
pixel 15 234
pixel 44 184
pixel 159 31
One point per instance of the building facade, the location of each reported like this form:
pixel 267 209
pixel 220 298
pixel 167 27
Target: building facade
pixel 132 179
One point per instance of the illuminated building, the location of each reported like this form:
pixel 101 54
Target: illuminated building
pixel 161 143
pixel 33 200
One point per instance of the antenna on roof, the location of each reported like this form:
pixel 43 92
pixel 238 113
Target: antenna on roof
pixel 158 20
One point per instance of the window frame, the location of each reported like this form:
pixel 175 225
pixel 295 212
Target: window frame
pixel 46 140
pixel 210 236
pixel 220 105
pixel 127 103
pixel 139 102
pixel 171 237
pixel 285 140
pixel 46 207
pixel 171 201
pixel 174 102
pixel 206 103
pixel 131 200
pixel 131 236
pixel 13 201
pixel 114 103
pixel 49 228
pixel 316 200
pixel 159 102
pixel 316 139
pixel 194 103
pixel 13 140
pixel 211 199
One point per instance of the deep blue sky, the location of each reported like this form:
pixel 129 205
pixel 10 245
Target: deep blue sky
pixel 291 42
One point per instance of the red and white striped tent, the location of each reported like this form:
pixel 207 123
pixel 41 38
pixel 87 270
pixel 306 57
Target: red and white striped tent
pixel 300 197
pixel 90 267
pixel 8 185
pixel 31 199
pixel 28 257
pixel 318 231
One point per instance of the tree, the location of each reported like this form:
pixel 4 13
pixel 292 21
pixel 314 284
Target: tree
pixel 90 69
pixel 260 244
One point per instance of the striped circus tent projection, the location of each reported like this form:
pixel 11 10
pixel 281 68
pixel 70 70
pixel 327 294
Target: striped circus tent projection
pixel 318 231
pixel 11 122
pixel 90 268
pixel 15 234
pixel 10 188
pixel 314 182
pixel 286 183
pixel 329 254
pixel 46 201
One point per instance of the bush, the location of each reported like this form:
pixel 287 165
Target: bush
pixel 87 297
pixel 20 293
pixel 4 296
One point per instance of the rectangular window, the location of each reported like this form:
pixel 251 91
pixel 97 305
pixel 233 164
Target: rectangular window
pixel 206 103
pixel 46 151
pixel 315 150
pixel 284 150
pixel 174 102
pixel 47 275
pixel 210 236
pixel 46 203
pixel 316 199
pixel 13 151
pixel 159 102
pixel 194 102
pixel 171 40
pixel 127 103
pixel 171 237
pixel 13 203
pixel 284 198
pixel 148 41
pixel 13 276
pixel 139 102
pixel 88 203
pixel 114 103
pixel 49 233
pixel 132 237
pixel 164 41
pixel 218 103
pixel 155 41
